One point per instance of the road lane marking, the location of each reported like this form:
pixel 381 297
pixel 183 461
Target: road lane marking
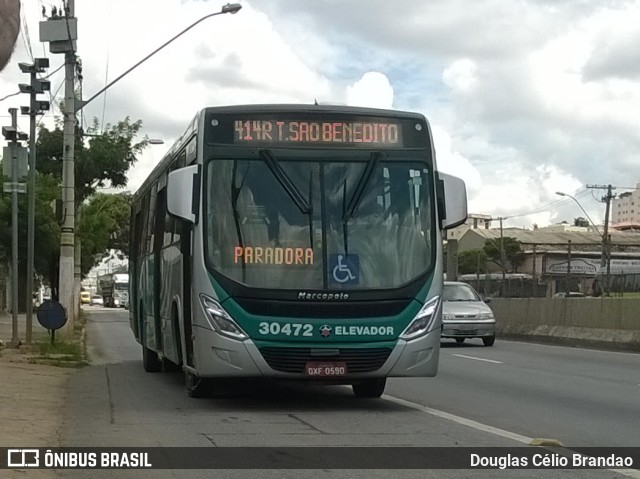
pixel 529 441
pixel 478 359
pixel 461 420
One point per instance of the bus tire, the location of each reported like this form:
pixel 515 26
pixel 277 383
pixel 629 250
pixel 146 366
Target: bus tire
pixel 489 340
pixel 369 388
pixel 196 386
pixel 150 360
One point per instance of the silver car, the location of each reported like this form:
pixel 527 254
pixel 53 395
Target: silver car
pixel 466 315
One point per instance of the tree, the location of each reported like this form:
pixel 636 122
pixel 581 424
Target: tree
pixel 46 231
pixel 580 221
pixel 104 226
pixel 514 255
pixel 103 162
pixel 472 261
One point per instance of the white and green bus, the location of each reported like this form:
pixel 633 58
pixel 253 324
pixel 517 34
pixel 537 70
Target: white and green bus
pixel 293 242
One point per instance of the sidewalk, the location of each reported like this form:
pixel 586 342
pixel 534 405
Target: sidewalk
pixel 32 396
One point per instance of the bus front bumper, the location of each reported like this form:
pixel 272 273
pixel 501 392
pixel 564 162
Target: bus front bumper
pixel 219 356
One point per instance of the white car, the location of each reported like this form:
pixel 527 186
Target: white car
pixel 96 300
pixel 466 315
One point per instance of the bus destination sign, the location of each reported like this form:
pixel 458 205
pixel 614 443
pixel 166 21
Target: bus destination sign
pixel 326 133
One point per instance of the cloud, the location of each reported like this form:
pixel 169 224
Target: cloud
pixel 525 96
pixel 453 162
pixel 460 75
pixel 372 90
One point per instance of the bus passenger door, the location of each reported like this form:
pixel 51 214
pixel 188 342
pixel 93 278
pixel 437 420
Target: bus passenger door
pixel 158 237
pixel 185 248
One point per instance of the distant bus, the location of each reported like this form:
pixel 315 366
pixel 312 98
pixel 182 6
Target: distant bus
pixel 294 242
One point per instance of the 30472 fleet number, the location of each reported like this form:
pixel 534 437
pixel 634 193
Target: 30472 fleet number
pixel 286 329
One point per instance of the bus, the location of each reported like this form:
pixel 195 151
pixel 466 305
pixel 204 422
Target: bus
pixel 293 242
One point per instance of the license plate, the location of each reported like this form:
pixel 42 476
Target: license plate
pixel 323 369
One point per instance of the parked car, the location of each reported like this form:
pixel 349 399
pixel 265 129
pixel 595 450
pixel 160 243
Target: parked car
pixel 85 297
pixel 466 315
pixel 570 294
pixel 96 300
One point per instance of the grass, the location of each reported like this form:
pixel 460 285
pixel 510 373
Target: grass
pixel 70 349
pixel 62 351
pixel 633 295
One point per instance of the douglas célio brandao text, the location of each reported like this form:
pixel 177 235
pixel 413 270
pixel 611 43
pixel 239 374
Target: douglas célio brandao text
pixel 548 461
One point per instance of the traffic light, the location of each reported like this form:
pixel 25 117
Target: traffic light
pixel 37 85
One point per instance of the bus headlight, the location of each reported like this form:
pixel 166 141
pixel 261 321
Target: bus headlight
pixel 220 320
pixel 423 320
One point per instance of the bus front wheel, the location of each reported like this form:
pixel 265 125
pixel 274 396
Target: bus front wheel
pixel 196 386
pixel 369 388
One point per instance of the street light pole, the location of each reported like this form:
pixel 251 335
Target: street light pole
pixel 67 229
pixel 71 106
pixel 228 8
pixel 560 193
pixel 604 259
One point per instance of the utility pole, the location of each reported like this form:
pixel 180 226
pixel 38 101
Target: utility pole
pixel 61 32
pixel 15 169
pixel 605 259
pixel 566 286
pixel 503 259
pixel 35 108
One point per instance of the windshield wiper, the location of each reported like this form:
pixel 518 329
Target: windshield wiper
pixel 355 199
pixel 289 186
pixel 235 194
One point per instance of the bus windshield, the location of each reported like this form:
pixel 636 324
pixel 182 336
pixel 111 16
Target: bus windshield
pixel 343 221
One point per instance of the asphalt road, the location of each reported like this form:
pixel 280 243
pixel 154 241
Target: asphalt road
pixel 581 397
pixel 506 395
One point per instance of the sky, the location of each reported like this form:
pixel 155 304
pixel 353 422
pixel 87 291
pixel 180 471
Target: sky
pixel 525 97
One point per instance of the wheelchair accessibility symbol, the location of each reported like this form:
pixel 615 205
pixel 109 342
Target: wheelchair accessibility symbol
pixel 345 268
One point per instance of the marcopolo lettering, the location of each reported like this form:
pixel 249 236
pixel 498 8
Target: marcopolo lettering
pixel 307 296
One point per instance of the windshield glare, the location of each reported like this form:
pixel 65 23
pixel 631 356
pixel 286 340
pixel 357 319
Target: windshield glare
pixel 319 224
pixel 459 292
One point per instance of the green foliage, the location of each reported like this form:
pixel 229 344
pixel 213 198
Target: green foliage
pixel 105 222
pixel 103 161
pixel 580 221
pixel 46 229
pixel 472 261
pixel 514 255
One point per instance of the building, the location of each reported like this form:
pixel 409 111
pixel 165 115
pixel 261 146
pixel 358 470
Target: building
pixel 625 209
pixel 474 221
pixel 566 260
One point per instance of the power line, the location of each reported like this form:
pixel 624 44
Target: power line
pixel 54 71
pixel 9 96
pixel 543 208
pixel 24 33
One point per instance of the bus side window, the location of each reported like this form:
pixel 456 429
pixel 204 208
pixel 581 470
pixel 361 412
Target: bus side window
pixel 143 221
pixel 172 226
pixel 151 219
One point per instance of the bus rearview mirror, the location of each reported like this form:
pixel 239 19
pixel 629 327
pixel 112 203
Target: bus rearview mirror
pixel 455 201
pixel 183 193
